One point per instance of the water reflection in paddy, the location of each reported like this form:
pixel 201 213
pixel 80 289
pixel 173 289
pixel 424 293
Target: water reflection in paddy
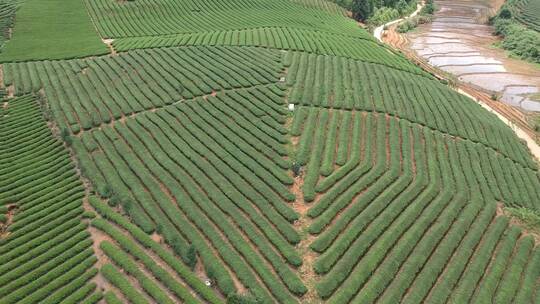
pixel 458 41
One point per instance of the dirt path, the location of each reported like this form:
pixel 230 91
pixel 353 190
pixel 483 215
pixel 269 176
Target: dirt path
pixel 109 43
pixel 307 274
pixel 379 31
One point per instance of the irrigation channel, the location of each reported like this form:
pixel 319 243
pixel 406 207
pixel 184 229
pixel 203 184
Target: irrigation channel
pixel 458 42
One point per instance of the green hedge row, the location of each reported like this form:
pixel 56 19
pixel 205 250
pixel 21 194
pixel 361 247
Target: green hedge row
pixel 235 239
pixel 121 282
pixel 344 185
pixel 365 209
pixel 314 163
pixel 123 261
pixel 162 76
pixel 47 256
pixel 142 238
pixel 472 275
pixel 111 298
pixel 364 86
pixel 131 248
pixel 493 274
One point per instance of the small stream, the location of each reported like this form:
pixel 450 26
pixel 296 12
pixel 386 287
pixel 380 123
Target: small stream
pixel 458 41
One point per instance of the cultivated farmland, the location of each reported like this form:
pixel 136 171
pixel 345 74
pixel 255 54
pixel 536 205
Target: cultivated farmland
pixel 251 152
pixel 528 13
pixel 45 251
pixel 49 30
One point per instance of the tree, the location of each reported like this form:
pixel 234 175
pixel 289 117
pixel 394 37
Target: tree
pixel 362 9
pixel 505 13
pixel 402 6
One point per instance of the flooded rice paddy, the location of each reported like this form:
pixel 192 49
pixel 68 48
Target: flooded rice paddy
pixel 458 41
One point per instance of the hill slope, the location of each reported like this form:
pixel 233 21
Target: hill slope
pixel 383 185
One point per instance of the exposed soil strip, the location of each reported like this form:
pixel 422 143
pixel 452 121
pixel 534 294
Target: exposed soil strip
pixel 307 274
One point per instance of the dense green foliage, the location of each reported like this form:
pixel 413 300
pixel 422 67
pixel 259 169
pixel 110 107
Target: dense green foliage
pixel 377 12
pixel 520 41
pixel 52 29
pixel 46 256
pixel 518 22
pixel 382 15
pixel 526 11
pixel 424 16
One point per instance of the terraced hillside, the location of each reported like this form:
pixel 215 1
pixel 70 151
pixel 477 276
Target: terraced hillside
pixel 528 13
pixel 248 151
pixel 46 251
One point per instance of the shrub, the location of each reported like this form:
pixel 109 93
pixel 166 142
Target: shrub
pixel 519 40
pixel 406 26
pixel 88 215
pixel 191 257
pixel 242 299
pixel 383 15
pixel 105 191
pixel 429 8
pixel 111 298
pixel 64 134
pixel 505 13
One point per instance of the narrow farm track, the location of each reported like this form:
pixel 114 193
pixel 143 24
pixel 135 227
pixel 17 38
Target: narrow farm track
pixel 306 272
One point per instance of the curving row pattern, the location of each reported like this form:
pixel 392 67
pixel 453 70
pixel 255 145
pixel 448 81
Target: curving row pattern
pixel 208 173
pixel 341 83
pixel 405 214
pixel 46 252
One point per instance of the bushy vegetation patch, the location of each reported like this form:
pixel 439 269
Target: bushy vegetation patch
pixel 520 39
pixel 424 16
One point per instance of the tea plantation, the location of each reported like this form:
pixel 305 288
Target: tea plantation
pixel 247 151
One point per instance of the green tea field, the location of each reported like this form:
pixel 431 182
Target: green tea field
pixel 528 13
pixel 247 151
